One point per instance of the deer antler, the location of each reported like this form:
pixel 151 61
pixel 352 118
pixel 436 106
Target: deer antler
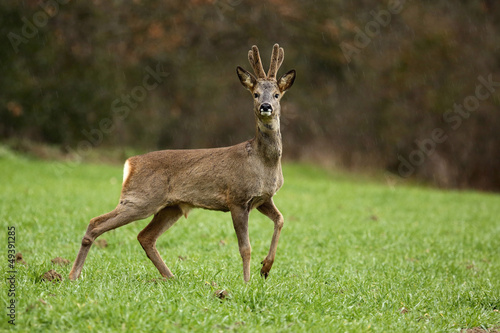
pixel 256 63
pixel 276 60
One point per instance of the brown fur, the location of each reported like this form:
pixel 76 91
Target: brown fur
pixel 168 183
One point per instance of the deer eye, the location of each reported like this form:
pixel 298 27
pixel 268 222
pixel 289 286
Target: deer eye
pixel 256 95
pixel 277 95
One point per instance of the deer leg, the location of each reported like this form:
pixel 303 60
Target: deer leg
pixel 240 223
pixel 118 217
pixel 161 222
pixel 269 209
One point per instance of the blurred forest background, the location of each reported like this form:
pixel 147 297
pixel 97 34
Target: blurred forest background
pixel 411 87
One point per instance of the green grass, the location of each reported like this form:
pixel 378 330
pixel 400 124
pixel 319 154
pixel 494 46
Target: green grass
pixel 352 254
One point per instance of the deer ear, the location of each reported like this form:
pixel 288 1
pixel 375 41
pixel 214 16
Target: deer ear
pixel 286 81
pixel 247 80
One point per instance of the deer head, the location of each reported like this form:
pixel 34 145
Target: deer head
pixel 266 89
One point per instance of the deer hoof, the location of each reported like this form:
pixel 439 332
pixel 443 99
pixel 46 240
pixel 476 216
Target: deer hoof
pixel 266 267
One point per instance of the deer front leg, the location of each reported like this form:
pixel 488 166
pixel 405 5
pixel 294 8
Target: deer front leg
pixel 269 209
pixel 240 223
pixel 161 222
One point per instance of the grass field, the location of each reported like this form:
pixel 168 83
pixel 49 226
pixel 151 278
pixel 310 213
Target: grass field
pixel 355 255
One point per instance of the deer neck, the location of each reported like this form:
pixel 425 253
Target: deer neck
pixel 268 140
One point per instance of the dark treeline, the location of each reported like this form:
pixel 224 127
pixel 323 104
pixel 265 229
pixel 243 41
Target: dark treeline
pixel 412 87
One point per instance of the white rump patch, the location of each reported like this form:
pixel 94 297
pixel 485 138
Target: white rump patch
pixel 126 171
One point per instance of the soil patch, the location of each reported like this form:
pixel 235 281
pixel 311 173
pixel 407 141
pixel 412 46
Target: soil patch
pixel 51 275
pixel 221 293
pixel 102 243
pixel 20 259
pixel 60 261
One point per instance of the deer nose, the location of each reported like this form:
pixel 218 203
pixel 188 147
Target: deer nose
pixel 266 109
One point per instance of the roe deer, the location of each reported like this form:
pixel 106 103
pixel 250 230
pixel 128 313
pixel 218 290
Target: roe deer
pixel 169 183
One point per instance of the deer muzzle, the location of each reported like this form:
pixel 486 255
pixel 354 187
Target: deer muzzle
pixel 266 109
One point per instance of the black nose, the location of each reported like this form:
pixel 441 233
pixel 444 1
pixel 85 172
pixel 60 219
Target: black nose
pixel 266 107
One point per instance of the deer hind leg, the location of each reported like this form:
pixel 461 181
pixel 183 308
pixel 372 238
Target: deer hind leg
pixel 121 215
pixel 269 209
pixel 161 222
pixel 240 223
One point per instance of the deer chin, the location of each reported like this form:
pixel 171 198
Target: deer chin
pixel 266 113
